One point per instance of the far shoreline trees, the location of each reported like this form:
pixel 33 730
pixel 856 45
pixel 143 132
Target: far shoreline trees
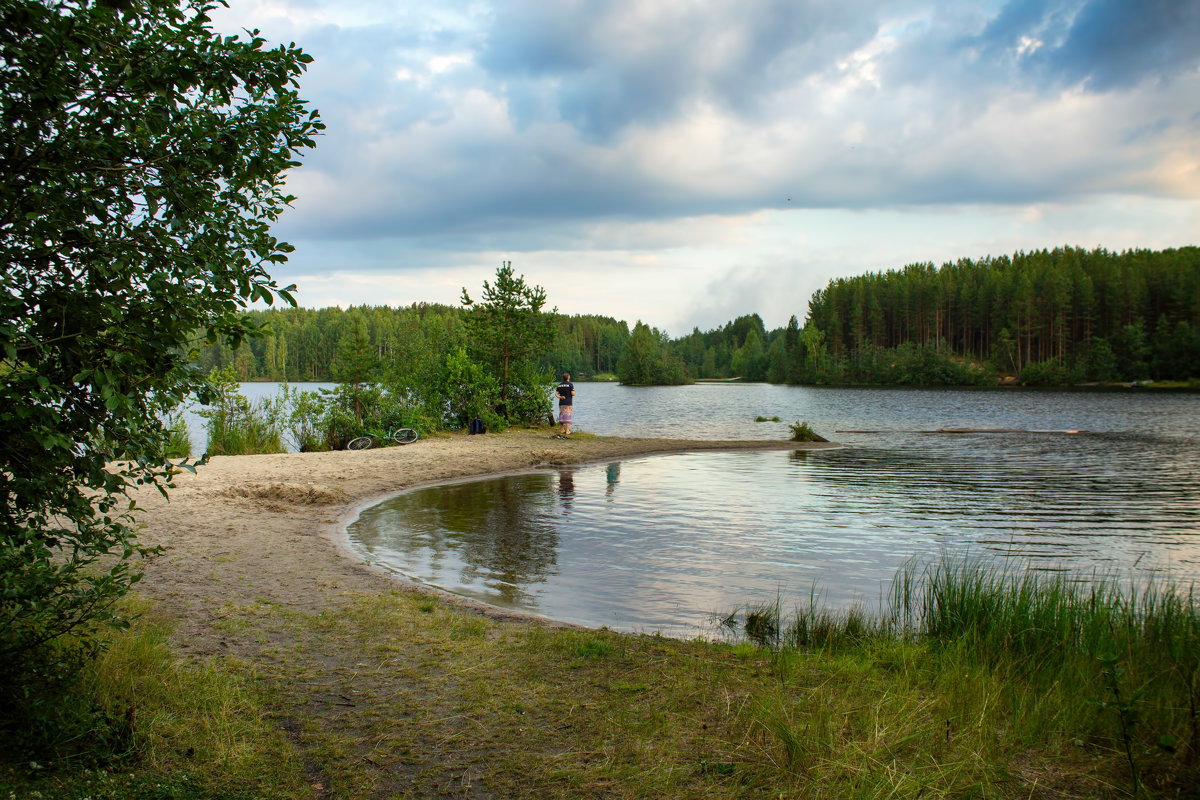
pixel 1051 317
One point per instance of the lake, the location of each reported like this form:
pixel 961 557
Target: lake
pixel 1090 483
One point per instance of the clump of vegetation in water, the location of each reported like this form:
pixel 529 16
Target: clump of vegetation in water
pixel 801 432
pixel 766 419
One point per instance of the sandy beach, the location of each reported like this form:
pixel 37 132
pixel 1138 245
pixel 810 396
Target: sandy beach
pixel 271 528
pixel 367 685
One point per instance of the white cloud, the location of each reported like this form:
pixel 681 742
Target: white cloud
pixel 682 162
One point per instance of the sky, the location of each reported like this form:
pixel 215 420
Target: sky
pixel 685 162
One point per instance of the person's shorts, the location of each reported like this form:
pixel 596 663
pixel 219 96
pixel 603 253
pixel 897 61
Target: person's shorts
pixel 564 414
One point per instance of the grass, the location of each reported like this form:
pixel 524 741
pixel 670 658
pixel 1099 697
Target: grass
pixel 253 429
pixel 970 682
pixel 165 728
pixel 1091 671
pixel 238 427
pixel 179 443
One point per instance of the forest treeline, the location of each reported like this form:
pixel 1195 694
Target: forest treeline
pixel 300 344
pixel 1048 317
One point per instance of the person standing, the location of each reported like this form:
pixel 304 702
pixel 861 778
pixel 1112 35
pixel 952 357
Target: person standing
pixel 566 395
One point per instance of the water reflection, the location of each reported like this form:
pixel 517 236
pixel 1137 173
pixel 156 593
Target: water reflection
pixel 566 489
pixel 688 535
pixel 693 535
pixel 495 539
pixel 612 476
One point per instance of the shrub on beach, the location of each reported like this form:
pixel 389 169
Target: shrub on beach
pixel 238 427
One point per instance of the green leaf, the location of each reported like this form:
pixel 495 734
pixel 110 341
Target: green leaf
pixel 131 221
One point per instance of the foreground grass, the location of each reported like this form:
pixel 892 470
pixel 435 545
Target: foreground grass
pixel 970 684
pixel 164 727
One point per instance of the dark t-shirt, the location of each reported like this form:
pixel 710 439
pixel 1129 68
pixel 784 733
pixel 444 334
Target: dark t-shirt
pixel 565 392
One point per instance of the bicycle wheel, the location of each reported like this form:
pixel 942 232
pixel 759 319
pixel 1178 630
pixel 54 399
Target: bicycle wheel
pixel 361 443
pixel 405 435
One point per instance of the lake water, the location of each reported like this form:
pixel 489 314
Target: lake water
pixel 1104 483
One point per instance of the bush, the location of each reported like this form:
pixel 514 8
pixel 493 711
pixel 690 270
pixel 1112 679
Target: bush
pixel 468 392
pixel 801 432
pixel 1047 373
pixel 235 426
pixel 305 427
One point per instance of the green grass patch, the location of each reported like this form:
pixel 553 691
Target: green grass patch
pixel 179 442
pixel 970 682
pixel 163 727
pixel 801 432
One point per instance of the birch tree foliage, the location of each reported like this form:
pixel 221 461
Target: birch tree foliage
pixel 141 168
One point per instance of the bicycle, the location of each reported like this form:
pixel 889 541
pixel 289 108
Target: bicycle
pixel 399 436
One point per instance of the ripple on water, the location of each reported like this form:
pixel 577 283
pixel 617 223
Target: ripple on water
pixel 663 543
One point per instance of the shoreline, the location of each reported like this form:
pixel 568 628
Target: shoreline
pixel 501 612
pixel 271 529
pixel 340 679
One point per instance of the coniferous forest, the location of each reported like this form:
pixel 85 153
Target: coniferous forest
pixel 1049 317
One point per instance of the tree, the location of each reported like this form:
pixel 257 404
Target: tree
pixel 1131 350
pixel 140 169
pixel 508 330
pixel 646 362
pixel 356 363
pixel 750 360
pixel 777 361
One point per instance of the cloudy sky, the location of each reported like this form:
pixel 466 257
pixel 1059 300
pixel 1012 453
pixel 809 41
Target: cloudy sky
pixel 683 162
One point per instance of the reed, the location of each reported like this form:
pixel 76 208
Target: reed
pixel 243 434
pixel 237 427
pixel 1041 657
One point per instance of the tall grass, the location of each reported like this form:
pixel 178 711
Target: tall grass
pixel 1124 658
pixel 238 427
pixel 246 429
pixel 179 443
pixel 1047 659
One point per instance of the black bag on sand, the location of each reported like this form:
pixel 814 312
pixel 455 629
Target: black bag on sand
pixel 476 426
